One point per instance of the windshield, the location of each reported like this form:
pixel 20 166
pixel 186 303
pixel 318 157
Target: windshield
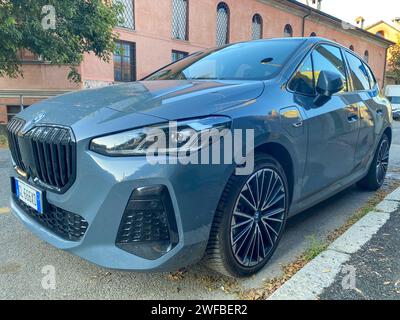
pixel 258 60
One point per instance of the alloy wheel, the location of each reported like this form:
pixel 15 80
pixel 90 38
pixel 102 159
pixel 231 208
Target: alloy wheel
pixel 258 217
pixel 382 161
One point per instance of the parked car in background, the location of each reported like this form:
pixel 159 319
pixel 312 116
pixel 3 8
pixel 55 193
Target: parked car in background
pixel 393 94
pixel 83 182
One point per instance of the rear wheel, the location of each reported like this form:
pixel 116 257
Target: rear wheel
pixel 378 170
pixel 250 220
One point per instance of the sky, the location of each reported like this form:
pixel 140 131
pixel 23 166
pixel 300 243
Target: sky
pixel 372 10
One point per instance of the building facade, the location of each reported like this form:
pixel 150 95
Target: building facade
pixel 155 33
pixel 386 30
pixel 390 32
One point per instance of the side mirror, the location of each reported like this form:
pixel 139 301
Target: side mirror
pixel 328 84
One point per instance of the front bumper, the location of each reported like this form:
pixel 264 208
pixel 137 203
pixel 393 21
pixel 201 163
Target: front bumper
pixel 101 193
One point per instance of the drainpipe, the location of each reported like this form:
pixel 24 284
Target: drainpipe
pixel 384 70
pixel 304 23
pixel 21 102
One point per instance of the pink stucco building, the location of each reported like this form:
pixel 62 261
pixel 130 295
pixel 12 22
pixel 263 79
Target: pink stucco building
pixel 156 32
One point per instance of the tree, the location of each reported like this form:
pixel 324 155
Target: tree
pixel 394 62
pixel 59 31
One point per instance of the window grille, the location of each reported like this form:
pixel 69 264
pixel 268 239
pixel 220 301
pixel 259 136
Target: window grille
pixel 222 24
pixel 257 27
pixel 180 11
pixel 127 16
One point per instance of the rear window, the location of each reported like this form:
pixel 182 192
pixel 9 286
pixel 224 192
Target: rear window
pixel 359 73
pixel 371 76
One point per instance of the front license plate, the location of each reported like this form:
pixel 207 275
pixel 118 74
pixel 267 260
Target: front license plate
pixel 29 195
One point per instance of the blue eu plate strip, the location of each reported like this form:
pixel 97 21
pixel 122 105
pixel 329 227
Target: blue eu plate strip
pixel 16 188
pixel 39 204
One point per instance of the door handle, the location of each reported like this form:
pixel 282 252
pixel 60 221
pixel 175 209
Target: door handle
pixel 353 118
pixel 298 124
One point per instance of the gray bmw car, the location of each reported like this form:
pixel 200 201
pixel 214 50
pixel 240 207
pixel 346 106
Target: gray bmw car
pixel 84 182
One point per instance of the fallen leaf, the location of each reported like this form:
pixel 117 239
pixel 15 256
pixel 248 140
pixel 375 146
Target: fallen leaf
pixel 175 276
pixel 397 286
pixel 359 291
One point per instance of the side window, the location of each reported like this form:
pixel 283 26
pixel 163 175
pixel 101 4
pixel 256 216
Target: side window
pixel 303 81
pixel 372 79
pixel 358 72
pixel 329 58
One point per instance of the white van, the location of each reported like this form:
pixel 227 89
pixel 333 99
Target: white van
pixel 393 94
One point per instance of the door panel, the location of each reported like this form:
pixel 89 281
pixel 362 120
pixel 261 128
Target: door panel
pixel 372 116
pixel 333 128
pixel 365 143
pixel 371 109
pixel 333 134
pixel 333 131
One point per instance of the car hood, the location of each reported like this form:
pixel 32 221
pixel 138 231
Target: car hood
pixel 118 107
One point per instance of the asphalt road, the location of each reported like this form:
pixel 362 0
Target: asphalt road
pixel 377 268
pixel 23 256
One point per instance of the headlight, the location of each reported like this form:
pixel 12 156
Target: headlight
pixel 173 137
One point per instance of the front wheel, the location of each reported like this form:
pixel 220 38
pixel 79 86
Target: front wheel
pixel 250 220
pixel 378 170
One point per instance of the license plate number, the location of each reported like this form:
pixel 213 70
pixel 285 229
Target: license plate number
pixel 29 195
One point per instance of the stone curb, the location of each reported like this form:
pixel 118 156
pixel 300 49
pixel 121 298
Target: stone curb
pixel 320 273
pixel 394 196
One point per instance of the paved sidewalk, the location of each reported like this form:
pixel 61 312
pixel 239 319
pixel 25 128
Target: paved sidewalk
pixel 363 263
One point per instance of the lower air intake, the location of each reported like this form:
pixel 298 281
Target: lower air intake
pixel 66 225
pixel 148 227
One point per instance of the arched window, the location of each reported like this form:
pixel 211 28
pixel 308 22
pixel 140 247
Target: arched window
pixel 313 34
pixel 288 31
pixel 366 56
pixel 351 48
pixel 180 10
pixel 257 31
pixel 223 17
pixel 381 33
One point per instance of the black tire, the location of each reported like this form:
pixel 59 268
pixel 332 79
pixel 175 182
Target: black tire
pixel 377 173
pixel 220 255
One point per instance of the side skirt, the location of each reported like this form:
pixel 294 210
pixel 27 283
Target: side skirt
pixel 326 193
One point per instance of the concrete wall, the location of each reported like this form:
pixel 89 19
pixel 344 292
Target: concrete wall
pixel 36 76
pixel 40 76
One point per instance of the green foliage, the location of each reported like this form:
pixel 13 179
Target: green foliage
pixel 316 247
pixel 394 62
pixel 80 26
